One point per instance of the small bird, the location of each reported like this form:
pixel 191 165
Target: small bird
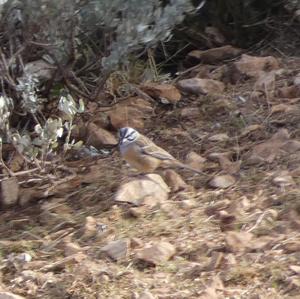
pixel 144 155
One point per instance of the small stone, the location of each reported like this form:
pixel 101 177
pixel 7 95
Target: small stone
pixel 130 113
pixel 187 204
pixel 97 136
pixel 136 242
pixel 146 295
pixel 148 190
pixel 295 268
pixel 90 228
pixel 156 253
pixel 166 93
pixel 71 248
pixel 251 66
pixel 222 137
pixel 284 180
pixel 10 191
pixel 238 241
pixel 195 161
pixel 214 55
pixel 222 181
pixel 190 112
pixel 174 180
pixel 8 295
pixel 201 86
pixel 137 212
pixel 116 250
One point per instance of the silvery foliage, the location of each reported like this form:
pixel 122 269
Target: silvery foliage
pixel 6 106
pixel 68 106
pixel 27 86
pixel 135 23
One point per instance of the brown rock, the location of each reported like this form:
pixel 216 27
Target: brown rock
pixel 156 253
pixel 90 228
pixel 222 181
pixel 238 241
pixel 269 150
pixel 228 166
pixel 166 93
pixel 250 129
pixel 201 86
pixel 116 250
pixel 148 190
pixel 190 112
pixel 10 191
pixel 146 295
pixel 77 258
pixel 174 180
pixel 222 137
pixel 8 295
pixel 265 82
pixel 71 248
pixel 289 92
pixel 195 161
pixel 251 66
pixel 130 113
pixel 214 55
pixel 97 137
pixel 283 179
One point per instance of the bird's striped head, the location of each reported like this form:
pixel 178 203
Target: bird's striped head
pixel 127 135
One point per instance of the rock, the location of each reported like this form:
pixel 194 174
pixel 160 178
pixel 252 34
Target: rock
pixel 296 80
pixel 148 190
pixel 174 180
pixel 214 55
pixel 136 243
pixel 71 248
pixel 187 204
pixel 60 264
pixel 252 67
pixel 222 181
pixel 166 93
pixel 265 82
pixel 116 250
pixel 130 113
pixel 97 137
pixel 8 295
pixel 195 161
pixel 201 86
pixel 146 295
pixel 289 92
pixel 291 146
pixel 90 228
pixel 283 179
pixel 270 149
pixel 295 268
pixel 222 137
pixel 137 212
pixel 238 241
pixel 156 253
pixel 9 191
pixel 250 129
pixel 190 112
pixel 228 166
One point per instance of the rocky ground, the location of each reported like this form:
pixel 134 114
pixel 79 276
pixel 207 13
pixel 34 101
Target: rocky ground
pixel 99 231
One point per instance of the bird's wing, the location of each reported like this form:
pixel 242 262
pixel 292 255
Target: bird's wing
pixel 151 149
